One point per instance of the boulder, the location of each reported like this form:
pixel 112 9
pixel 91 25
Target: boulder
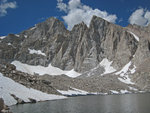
pixel 1 104
pixel 32 100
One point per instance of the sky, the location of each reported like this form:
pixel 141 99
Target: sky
pixel 19 15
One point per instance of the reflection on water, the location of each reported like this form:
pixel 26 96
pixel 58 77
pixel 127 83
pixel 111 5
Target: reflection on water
pixel 128 103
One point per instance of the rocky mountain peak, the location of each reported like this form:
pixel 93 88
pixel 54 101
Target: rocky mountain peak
pixel 80 26
pixel 98 23
pixel 82 48
pixel 52 23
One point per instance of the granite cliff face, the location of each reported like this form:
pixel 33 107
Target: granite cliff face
pixel 107 56
pixel 82 48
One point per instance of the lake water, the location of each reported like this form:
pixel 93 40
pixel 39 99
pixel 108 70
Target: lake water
pixel 127 103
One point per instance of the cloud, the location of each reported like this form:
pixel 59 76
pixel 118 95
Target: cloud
pixel 140 17
pixel 4 5
pixel 77 12
pixel 62 6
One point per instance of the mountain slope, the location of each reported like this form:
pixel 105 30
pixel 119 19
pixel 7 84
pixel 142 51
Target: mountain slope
pixel 8 88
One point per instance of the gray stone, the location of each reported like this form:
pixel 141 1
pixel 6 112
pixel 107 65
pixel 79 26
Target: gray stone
pixel 1 104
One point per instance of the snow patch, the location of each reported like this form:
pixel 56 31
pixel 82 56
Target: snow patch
pixel 107 66
pixel 32 28
pixel 136 37
pixel 114 92
pixel 124 91
pixel 39 52
pixel 72 73
pixel 25 36
pixel 73 92
pixel 125 80
pixel 8 87
pixel 9 44
pixel 41 70
pixel 17 35
pixel 124 69
pixel 2 37
pixel 132 88
pixel 124 73
pixel 76 92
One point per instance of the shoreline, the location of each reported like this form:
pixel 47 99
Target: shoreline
pixel 72 96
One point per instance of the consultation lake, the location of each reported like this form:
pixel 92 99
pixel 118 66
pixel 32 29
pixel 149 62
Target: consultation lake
pixel 127 103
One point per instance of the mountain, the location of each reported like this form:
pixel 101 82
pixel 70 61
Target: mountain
pixel 103 58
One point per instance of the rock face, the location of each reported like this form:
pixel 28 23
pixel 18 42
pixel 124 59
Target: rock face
pixel 1 104
pixel 108 56
pixel 82 48
pixel 143 50
pixel 3 107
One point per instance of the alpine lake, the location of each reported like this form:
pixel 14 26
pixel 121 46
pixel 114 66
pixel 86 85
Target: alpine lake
pixel 126 103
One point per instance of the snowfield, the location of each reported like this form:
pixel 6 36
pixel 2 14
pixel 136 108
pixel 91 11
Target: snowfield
pixel 76 92
pixel 8 87
pixel 41 70
pixel 124 91
pixel 2 37
pixel 38 52
pixel 124 69
pixel 114 92
pixel 73 92
pixel 132 88
pixel 126 80
pixel 107 66
pixel 124 77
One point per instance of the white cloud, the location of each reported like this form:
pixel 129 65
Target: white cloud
pixel 4 5
pixel 77 12
pixel 62 6
pixel 140 17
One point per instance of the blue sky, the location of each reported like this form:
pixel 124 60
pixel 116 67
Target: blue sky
pixel 18 15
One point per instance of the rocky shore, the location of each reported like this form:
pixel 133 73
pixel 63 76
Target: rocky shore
pixel 3 108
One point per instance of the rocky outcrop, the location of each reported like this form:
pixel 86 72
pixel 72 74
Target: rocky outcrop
pixel 1 104
pixel 143 50
pixel 142 75
pixel 19 101
pixel 3 107
pixel 9 46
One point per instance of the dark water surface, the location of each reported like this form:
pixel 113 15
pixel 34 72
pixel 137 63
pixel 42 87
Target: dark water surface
pixel 127 103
